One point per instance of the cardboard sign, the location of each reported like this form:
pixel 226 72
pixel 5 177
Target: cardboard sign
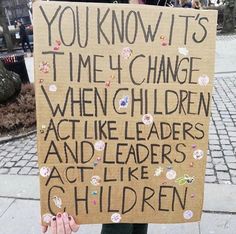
pixel 123 106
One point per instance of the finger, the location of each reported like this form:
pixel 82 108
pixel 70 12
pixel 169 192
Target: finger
pixel 66 223
pixel 44 228
pixel 60 224
pixel 73 225
pixel 53 225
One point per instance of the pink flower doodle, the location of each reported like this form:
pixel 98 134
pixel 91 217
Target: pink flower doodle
pixel 44 67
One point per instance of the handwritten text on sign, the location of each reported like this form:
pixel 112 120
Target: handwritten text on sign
pixel 123 99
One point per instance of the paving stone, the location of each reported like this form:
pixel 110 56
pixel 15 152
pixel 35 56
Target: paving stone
pixel 216 154
pixel 232 134
pixel 209 165
pixel 21 163
pixel 228 152
pixel 215 147
pixel 32 164
pixel 2 147
pixel 2 163
pixel 34 158
pixel 223 175
pixel 15 143
pixel 210 172
pixel 21 153
pixel 233 180
pixel 5 160
pixel 230 159
pixel 227 147
pixel 229 124
pixel 4 170
pixel 34 171
pixel 3 152
pixel 216 118
pixel 27 156
pixel 212 131
pixel 9 164
pixel 24 171
pixel 14 170
pixel 15 151
pixel 218 161
pixel 220 126
pixel 232 172
pixel 27 148
pixel 232 165
pixel 222 132
pixel 16 158
pixel 32 142
pixel 225 142
pixel 231 129
pixel 213 140
pixel 227 120
pixel 233 139
pixel 33 151
pixel 210 179
pixel 225 182
pixel 209 159
pixel 221 167
pixel 9 148
pixel 223 136
pixel 10 155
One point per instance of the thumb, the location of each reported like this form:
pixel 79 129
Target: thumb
pixel 44 228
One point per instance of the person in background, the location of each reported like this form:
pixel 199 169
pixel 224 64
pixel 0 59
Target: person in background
pixel 196 4
pixel 23 36
pixel 185 4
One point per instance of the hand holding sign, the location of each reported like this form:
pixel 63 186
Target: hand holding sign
pixel 61 224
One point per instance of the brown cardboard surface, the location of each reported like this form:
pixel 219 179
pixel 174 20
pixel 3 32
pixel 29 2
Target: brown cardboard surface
pixel 123 105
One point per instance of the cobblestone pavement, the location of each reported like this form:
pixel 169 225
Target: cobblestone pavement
pixel 226 37
pixel 221 160
pixel 19 156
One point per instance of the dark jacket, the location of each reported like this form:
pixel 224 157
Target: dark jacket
pixel 158 2
pixel 187 5
pixel 22 32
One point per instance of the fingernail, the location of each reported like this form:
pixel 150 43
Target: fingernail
pixel 54 218
pixel 59 215
pixel 69 218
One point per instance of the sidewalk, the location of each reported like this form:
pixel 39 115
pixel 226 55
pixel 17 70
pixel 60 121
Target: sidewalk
pixel 19 190
pixel 225 54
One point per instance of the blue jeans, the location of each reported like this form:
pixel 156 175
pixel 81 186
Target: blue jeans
pixel 124 228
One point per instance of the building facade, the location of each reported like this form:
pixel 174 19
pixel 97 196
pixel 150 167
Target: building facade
pixel 17 10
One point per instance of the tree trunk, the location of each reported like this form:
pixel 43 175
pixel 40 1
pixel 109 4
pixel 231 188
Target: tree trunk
pixel 229 16
pixel 6 32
